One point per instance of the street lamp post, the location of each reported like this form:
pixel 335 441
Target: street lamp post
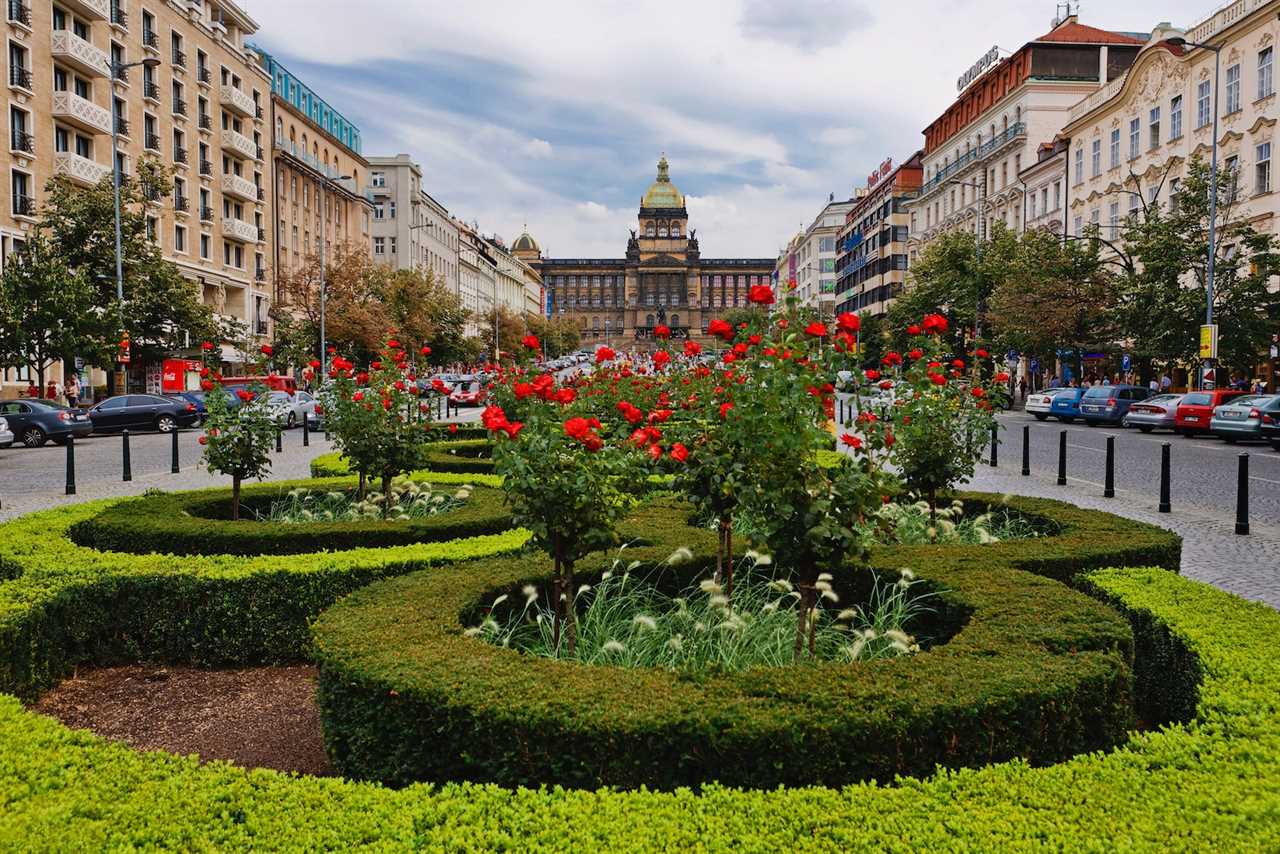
pixel 116 68
pixel 981 187
pixel 325 181
pixel 1210 263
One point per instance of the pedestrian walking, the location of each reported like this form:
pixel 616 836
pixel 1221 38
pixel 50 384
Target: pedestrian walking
pixel 1154 385
pixel 71 388
pixel 51 391
pixel 1166 382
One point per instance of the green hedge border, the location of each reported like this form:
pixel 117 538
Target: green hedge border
pixel 439 459
pixel 1211 784
pixel 196 523
pixel 1038 671
pixel 66 604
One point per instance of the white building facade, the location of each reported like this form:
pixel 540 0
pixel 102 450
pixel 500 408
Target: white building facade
pixel 411 230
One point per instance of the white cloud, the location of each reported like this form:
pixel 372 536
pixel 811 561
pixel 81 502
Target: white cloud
pixel 537 148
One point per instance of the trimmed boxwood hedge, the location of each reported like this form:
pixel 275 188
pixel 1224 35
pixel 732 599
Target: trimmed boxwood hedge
pixel 1212 784
pixel 470 455
pixel 197 523
pixel 1039 671
pixel 67 604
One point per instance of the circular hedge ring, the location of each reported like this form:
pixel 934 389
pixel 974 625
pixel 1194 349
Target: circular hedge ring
pixel 198 523
pixel 1038 671
pixel 466 456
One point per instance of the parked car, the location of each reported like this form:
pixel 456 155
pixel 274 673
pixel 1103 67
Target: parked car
pixel 1066 406
pixel 1107 404
pixel 275 382
pixel 196 398
pixel 1154 413
pixel 1196 409
pixel 1270 429
pixel 6 435
pixel 35 421
pixel 142 412
pixel 1039 403
pixel 1241 418
pixel 292 409
pixel 468 391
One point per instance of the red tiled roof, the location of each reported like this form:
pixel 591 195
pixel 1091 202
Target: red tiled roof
pixel 1073 32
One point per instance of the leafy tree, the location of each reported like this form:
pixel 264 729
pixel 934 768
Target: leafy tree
pixel 511 328
pixel 237 438
pixel 356 319
pixel 46 309
pixel 559 335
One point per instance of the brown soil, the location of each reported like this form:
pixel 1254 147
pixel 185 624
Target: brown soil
pixel 260 717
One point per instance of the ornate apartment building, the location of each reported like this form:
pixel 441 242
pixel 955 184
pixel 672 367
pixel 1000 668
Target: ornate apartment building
pixel 975 151
pixel 872 259
pixel 810 258
pixel 202 112
pixel 318 172
pixel 411 230
pixel 663 279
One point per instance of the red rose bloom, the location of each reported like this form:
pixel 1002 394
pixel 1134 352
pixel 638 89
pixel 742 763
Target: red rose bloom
pixel 886 385
pixel 913 330
pixel 1002 377
pixel 724 409
pixel 207 346
pixel 851 441
pixel 358 396
pixel 531 342
pixel 244 395
pixel 266 349
pixel 981 354
pixel 661 358
pixel 679 452
pixel 206 385
pixel 566 396
pixel 816 330
pixel 873 375
pixel 577 428
pixel 720 329
pixel 934 324
pixel 692 348
pixel 426 351
pixel 957 363
pixel 979 393
pixel 654 452
pixel 892 358
pixel 605 354
pixel 512 429
pixel 916 354
pixel 848 322
pixel 761 295
pixel 453 428
pixel 938 379
pixel 661 331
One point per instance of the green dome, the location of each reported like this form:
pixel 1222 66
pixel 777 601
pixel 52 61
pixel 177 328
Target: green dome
pixel 662 193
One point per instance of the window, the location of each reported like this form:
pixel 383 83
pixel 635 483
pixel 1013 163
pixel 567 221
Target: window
pixel 1113 214
pixel 1095 158
pixel 1233 89
pixel 1154 126
pixel 1079 165
pixel 1079 226
pixel 391 211
pixel 1203 114
pixel 1057 195
pixel 379 211
pixel 378 179
pixel 1175 117
pixel 1233 170
pixel 1135 130
pixel 1265 85
pixel 379 246
pixel 179 238
pixel 23 205
pixel 392 245
pixel 1031 206
pixel 1262 171
pixel 1115 148
pixel 205 244
pixel 1134 199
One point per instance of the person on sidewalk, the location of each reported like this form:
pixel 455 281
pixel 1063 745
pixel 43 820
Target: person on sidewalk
pixel 72 391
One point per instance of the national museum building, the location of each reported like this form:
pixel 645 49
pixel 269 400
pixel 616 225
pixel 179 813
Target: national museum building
pixel 662 280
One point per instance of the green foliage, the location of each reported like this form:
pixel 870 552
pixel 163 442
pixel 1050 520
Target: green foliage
pixel 916 525
pixel 237 439
pixel 197 523
pixel 559 335
pixel 1036 670
pixel 46 308
pixel 409 500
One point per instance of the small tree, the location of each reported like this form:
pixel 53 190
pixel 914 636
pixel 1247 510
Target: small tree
pixel 237 438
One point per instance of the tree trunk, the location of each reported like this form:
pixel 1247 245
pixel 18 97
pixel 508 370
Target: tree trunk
pixel 933 505
pixel 360 489
pixel 235 498
pixel 802 617
pixel 386 495
pixel 728 557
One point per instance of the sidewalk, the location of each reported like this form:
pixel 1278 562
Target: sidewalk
pixel 1248 566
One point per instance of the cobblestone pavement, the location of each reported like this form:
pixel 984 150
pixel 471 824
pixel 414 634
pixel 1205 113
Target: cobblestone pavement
pixel 1248 566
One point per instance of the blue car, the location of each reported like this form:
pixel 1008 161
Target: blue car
pixel 1066 406
pixel 1108 404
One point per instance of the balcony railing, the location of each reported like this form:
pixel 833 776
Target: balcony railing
pixel 151 39
pixel 121 73
pixel 119 16
pixel 238 230
pixel 206 214
pixel 262 234
pixel 236 101
pixel 82 55
pixel 206 122
pixel 237 144
pixel 151 91
pixel 262 194
pixel 180 203
pixel 91 10
pixel 19 13
pixel 260 327
pixel 240 187
pixel 23 205
pixel 81 112
pixel 152 142
pixel 22 141
pixel 179 107
pixel 257 111
pixel 179 58
pixel 122 126
pixel 79 170
pixel 20 77
pixel 179 155
pixel 260 274
pixel 980 153
pixel 206 167
pixel 643 332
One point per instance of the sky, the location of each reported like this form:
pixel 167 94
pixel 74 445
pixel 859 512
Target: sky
pixel 553 113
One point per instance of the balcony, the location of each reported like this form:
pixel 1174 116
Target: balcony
pixel 205 122
pixel 84 114
pixel 260 275
pixel 204 75
pixel 241 188
pixel 90 10
pixel 151 40
pixel 150 91
pixel 179 107
pixel 239 230
pixel 987 149
pixel 122 126
pixel 179 59
pixel 119 17
pixel 238 145
pixel 19 13
pixel 69 49
pixel 22 143
pixel 79 170
pixel 236 101
pixel 206 168
pixel 23 205
pixel 181 203
pixel 19 77
pixel 152 142
pixel 179 155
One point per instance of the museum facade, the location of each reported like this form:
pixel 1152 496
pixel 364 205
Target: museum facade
pixel 663 280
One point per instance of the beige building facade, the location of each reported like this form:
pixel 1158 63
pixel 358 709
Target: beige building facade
pixel 201 113
pixel 411 230
pixel 810 258
pixel 872 245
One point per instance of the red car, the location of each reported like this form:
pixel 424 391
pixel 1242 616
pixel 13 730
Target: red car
pixel 1197 407
pixel 468 391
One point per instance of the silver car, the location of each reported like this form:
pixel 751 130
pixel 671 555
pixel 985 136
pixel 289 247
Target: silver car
pixel 1039 403
pixel 6 435
pixel 292 410
pixel 1241 418
pixel 1154 413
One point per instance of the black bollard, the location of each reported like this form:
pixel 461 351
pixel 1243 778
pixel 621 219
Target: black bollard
pixel 173 466
pixel 71 465
pixel 1062 458
pixel 279 439
pixel 1109 490
pixel 1026 450
pixel 306 430
pixel 995 443
pixel 128 467
pixel 1242 496
pixel 1165 469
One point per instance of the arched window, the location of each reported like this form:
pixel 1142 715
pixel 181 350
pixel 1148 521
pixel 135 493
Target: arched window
pixel 648 230
pixel 1017 114
pixel 1005 122
pixel 595 324
pixel 304 142
pixel 675 320
pixel 279 128
pixel 675 229
pixel 662 230
pixel 648 320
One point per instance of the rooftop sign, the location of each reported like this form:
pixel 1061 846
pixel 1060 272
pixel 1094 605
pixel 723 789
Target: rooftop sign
pixel 880 174
pixel 975 71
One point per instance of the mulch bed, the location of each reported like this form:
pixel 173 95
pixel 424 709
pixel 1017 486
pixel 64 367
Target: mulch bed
pixel 259 717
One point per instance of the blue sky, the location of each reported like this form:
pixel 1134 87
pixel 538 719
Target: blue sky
pixel 554 112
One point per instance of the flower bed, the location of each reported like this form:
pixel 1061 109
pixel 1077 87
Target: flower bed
pixel 66 604
pixel 1039 671
pixel 461 456
pixel 196 523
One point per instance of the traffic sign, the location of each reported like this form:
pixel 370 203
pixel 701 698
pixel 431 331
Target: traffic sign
pixel 1126 363
pixel 1209 341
